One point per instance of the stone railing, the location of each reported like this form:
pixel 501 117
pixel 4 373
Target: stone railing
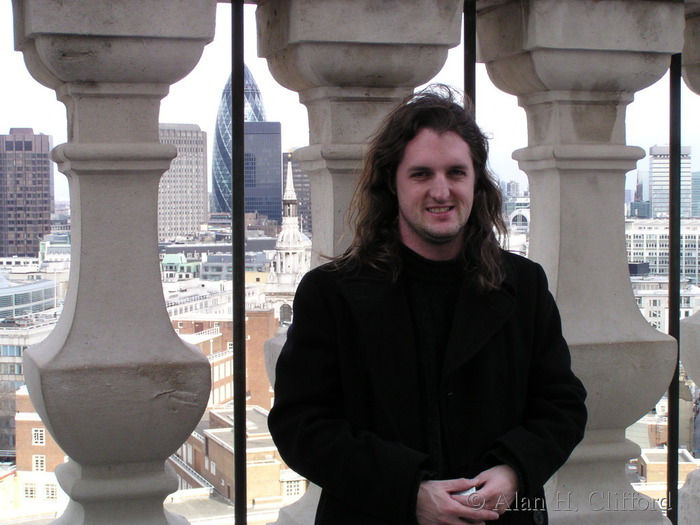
pixel 120 391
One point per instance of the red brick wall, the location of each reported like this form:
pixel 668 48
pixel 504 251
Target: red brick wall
pixel 261 325
pixel 25 447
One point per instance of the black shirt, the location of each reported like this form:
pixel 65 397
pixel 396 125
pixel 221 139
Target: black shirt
pixel 432 288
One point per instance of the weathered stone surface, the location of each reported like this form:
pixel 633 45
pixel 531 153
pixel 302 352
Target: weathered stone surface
pixel 114 384
pixel 575 85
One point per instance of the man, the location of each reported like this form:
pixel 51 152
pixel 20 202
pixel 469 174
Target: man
pixel 426 362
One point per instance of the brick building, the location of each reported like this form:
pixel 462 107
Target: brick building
pixel 38 455
pixel 209 453
pixel 214 335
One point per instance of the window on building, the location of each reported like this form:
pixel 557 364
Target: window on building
pixel 10 350
pixel 30 490
pixel 51 491
pixel 292 488
pixel 38 436
pixel 39 463
pixel 212 467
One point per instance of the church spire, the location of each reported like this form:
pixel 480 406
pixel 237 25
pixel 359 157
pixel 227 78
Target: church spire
pixel 289 198
pixel 289 193
pixel 293 248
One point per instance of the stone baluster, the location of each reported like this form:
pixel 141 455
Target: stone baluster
pixel 574 66
pixel 689 495
pixel 349 75
pixel 351 63
pixel 115 386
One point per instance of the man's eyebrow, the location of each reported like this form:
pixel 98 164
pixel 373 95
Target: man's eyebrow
pixel 416 167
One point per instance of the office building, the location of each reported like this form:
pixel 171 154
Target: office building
pixel 639 210
pixel 510 189
pixel 183 197
pixel 651 294
pixel 648 242
pixel 221 159
pixel 641 191
pixel 25 298
pixel 26 177
pixel 263 169
pixel 695 185
pixel 659 181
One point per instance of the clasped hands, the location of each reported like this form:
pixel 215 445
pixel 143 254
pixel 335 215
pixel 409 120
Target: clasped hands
pixel 438 503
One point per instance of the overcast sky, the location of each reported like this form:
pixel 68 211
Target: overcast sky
pixel 195 99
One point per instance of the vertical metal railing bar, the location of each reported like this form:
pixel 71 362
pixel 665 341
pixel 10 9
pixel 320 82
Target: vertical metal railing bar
pixel 674 280
pixel 238 251
pixel 469 22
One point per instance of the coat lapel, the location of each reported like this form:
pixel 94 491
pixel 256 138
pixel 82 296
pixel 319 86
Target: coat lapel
pixel 386 336
pixel 477 318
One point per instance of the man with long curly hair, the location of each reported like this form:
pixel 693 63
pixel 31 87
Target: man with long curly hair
pixel 425 379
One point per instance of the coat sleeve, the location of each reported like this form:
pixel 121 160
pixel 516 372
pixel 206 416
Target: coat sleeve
pixel 555 412
pixel 309 424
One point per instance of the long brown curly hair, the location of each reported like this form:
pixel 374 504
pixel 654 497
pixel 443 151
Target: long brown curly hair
pixel 374 207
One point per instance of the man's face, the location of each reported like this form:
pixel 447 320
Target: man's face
pixel 435 191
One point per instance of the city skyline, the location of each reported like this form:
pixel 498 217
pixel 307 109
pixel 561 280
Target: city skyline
pixel 195 100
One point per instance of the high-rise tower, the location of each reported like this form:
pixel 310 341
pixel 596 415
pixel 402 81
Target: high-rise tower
pixel 659 181
pixel 263 169
pixel 221 160
pixel 183 195
pixel 26 176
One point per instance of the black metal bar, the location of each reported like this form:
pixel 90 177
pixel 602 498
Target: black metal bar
pixel 674 275
pixel 470 50
pixel 238 250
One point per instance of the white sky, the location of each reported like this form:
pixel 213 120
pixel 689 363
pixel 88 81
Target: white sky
pixel 195 99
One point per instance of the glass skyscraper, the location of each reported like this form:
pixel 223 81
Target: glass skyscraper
pixel 263 169
pixel 221 159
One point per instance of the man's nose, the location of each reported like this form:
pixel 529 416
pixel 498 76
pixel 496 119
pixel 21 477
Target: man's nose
pixel 440 188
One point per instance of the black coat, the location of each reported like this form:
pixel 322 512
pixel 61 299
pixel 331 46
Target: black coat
pixel 346 412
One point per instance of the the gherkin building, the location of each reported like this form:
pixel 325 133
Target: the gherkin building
pixel 221 158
